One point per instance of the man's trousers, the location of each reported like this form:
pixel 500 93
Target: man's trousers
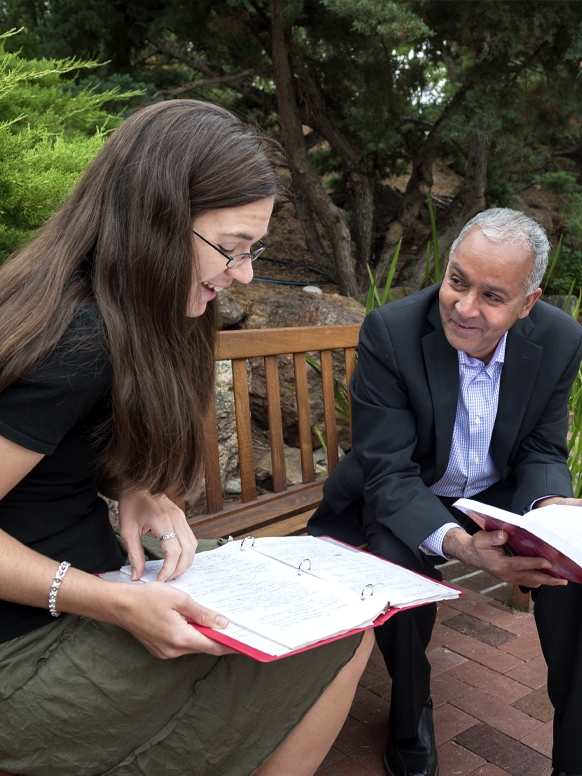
pixel 405 637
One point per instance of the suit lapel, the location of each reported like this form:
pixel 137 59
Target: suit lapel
pixel 522 363
pixel 442 369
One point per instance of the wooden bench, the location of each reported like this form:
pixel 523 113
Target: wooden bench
pixel 285 511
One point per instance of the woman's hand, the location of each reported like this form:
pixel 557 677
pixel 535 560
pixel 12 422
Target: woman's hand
pixel 155 615
pixel 139 512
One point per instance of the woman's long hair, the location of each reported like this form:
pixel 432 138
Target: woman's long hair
pixel 123 238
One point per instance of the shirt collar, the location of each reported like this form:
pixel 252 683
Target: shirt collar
pixel 497 358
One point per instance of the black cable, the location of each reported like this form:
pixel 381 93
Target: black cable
pixel 289 262
pixel 293 282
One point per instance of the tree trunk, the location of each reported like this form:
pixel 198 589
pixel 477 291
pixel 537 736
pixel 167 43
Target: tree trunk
pixel 303 172
pixel 420 182
pixel 418 186
pixel 312 241
pixel 468 202
pixel 360 174
pixel 360 188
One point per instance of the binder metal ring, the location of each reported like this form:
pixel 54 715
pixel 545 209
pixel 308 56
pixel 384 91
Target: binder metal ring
pixel 300 566
pixel 363 595
pixel 245 539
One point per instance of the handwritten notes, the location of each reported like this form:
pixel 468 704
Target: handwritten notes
pixel 354 569
pixel 281 594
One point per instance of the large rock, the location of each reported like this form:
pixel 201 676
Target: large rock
pixel 264 466
pixel 536 209
pixel 303 309
pixel 225 420
pixel 300 309
pixel 231 312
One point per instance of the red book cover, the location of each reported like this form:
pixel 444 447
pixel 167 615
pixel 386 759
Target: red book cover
pixel 263 657
pixel 521 541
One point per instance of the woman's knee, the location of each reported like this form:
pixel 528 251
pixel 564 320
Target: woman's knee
pixel 354 669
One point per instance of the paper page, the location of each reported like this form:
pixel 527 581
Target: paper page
pixel 560 526
pixel 467 504
pixel 354 570
pixel 270 598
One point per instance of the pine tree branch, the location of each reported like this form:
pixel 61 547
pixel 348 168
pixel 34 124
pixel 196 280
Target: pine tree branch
pixel 258 96
pixel 219 79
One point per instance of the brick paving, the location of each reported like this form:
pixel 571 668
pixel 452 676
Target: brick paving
pixel 492 713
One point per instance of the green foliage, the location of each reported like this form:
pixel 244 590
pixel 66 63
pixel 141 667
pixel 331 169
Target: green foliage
pixel 499 192
pixel 393 20
pixel 373 298
pixel 381 73
pixel 553 262
pixel 47 138
pixel 123 93
pixel 435 240
pixel 339 389
pixel 567 269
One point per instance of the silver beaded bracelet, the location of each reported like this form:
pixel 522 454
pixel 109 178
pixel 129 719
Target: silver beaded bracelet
pixel 59 576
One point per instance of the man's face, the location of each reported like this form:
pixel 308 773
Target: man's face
pixel 483 293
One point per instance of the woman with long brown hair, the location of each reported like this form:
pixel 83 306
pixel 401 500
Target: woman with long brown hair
pixel 107 328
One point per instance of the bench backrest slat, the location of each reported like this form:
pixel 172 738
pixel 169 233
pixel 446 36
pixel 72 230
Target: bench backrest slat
pixel 350 357
pixel 275 424
pixel 303 417
pixel 327 388
pixel 243 429
pixel 212 462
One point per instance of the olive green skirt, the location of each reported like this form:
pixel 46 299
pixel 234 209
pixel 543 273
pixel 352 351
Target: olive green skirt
pixel 81 697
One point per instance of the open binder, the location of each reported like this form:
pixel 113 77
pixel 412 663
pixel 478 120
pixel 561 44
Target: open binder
pixel 284 595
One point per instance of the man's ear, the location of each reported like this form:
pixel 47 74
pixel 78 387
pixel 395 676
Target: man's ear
pixel 530 300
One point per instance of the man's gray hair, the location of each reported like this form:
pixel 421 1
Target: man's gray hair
pixel 501 224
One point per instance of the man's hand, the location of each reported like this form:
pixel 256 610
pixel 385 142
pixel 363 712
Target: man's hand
pixel 139 512
pixel 485 551
pixel 567 502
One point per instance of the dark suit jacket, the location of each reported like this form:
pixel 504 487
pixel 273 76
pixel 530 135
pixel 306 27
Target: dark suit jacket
pixel 404 401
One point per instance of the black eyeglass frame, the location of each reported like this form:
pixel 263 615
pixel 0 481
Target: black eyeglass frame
pixel 240 256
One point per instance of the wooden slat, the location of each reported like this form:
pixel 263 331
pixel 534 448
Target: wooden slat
pixel 266 510
pixel 243 429
pixel 272 342
pixel 350 359
pixel 275 424
pixel 329 409
pixel 292 526
pixel 303 417
pixel 211 462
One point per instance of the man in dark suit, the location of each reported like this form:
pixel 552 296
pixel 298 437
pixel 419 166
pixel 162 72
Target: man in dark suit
pixel 462 390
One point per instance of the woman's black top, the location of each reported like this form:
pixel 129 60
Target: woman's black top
pixel 55 509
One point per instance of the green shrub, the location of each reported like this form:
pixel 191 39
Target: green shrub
pixel 568 268
pixel 48 135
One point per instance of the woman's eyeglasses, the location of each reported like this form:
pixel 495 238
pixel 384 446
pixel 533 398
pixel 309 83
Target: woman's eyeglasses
pixel 234 261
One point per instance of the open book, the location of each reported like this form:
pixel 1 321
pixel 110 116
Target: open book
pixel 284 595
pixel 553 532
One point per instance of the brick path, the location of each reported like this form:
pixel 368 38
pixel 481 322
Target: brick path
pixel 492 713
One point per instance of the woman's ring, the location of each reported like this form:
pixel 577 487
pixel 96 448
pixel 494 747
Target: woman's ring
pixel 168 536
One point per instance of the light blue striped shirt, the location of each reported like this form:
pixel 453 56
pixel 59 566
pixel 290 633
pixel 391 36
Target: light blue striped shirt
pixel 471 468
